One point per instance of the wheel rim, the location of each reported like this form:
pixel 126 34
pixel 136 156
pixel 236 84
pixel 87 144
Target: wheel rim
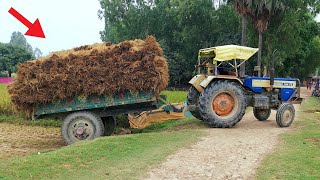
pixel 287 116
pixel 81 129
pixel 224 104
pixel 263 112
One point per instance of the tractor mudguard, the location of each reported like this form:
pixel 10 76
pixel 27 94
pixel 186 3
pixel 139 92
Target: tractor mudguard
pixel 196 80
pixel 202 81
pixel 207 81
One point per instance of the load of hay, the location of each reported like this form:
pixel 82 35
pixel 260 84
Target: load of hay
pixel 100 69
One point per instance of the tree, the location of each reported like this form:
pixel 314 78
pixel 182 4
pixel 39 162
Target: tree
pixel 18 39
pixel 261 16
pixel 11 56
pixel 244 9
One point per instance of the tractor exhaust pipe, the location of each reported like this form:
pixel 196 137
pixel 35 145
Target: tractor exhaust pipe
pixel 272 70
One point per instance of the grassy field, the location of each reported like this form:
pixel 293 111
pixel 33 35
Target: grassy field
pixel 298 155
pixel 175 96
pixel 115 157
pixel 5 103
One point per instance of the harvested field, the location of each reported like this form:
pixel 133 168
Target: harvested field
pixel 91 70
pixel 20 140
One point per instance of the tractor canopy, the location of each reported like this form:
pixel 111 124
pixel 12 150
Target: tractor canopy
pixel 227 52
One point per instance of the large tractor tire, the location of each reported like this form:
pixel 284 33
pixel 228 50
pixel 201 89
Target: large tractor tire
pixel 109 125
pixel 222 104
pixel 193 99
pixel 80 126
pixel 261 114
pixel 285 115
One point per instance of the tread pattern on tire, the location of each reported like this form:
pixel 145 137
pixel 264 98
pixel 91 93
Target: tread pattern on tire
pixel 259 116
pixel 96 121
pixel 280 112
pixel 206 98
pixel 193 99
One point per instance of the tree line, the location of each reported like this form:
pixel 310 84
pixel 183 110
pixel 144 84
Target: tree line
pixel 183 27
pixel 17 51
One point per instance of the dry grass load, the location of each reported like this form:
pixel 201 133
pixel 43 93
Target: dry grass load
pixel 99 69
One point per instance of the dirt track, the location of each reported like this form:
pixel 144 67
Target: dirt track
pixel 233 153
pixel 19 140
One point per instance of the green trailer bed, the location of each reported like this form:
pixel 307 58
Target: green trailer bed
pixel 86 118
pixel 81 103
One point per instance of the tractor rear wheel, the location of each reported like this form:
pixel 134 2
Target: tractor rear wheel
pixel 285 115
pixel 193 100
pixel 80 126
pixel 222 104
pixel 261 114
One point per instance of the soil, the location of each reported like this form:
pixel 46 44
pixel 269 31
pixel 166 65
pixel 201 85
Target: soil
pixel 233 153
pixel 20 140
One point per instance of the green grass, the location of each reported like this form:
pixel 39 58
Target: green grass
pixel 13 119
pixel 298 155
pixel 5 102
pixel 175 96
pixel 116 157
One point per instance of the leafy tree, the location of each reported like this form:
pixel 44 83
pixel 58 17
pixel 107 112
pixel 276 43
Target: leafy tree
pixel 11 56
pixel 18 39
pixel 183 27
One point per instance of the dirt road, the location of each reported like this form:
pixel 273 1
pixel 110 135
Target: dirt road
pixel 19 140
pixel 233 153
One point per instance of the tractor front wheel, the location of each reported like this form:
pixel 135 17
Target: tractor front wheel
pixel 261 114
pixel 193 100
pixel 285 115
pixel 222 104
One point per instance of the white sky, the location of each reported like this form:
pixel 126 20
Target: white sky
pixel 66 23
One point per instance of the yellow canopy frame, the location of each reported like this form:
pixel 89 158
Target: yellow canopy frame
pixel 227 52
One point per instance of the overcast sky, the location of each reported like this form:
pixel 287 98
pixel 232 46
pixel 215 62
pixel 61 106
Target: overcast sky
pixel 66 23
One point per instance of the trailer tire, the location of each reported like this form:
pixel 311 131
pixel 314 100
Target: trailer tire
pixel 222 104
pixel 80 126
pixel 285 115
pixel 193 100
pixel 109 125
pixel 261 114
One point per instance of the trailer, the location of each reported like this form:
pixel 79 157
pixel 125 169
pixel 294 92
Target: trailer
pixel 86 118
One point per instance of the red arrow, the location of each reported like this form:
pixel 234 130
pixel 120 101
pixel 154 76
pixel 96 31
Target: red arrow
pixel 35 29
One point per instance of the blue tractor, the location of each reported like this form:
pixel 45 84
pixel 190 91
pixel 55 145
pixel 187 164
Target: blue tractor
pixel 219 96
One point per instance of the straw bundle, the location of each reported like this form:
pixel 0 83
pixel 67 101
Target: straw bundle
pixel 100 69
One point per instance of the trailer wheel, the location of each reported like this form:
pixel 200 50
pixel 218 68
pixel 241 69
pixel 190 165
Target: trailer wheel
pixel 222 104
pixel 285 115
pixel 261 114
pixel 109 125
pixel 193 99
pixel 80 126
